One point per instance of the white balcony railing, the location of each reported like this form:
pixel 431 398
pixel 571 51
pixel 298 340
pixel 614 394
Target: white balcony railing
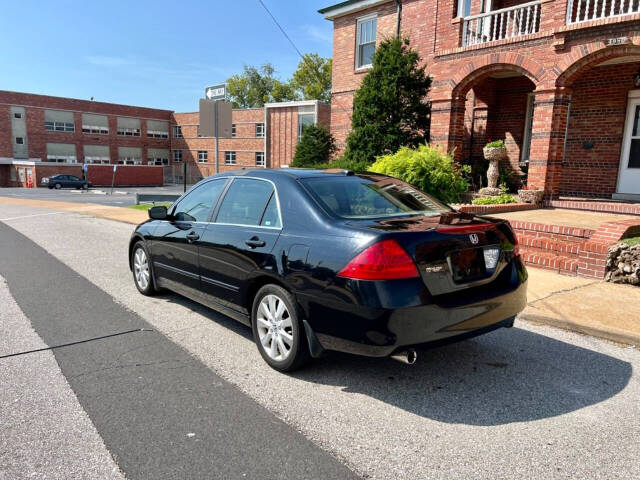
pixel 579 11
pixel 502 24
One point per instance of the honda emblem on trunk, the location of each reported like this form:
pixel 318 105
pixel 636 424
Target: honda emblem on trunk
pixel 474 238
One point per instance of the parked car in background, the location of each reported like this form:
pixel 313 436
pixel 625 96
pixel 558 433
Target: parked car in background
pixel 65 181
pixel 316 260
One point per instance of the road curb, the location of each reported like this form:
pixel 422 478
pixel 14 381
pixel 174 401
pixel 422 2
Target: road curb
pixel 611 334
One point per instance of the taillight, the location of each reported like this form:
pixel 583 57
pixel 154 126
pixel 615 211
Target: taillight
pixel 385 260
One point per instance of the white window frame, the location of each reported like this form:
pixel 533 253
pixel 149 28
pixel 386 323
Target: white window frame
pixel 203 156
pixel 97 160
pixel 177 131
pixel 260 159
pixel 158 161
pixel 128 132
pixel 359 22
pixel 129 161
pixel 60 127
pixel 157 134
pixel 259 130
pixel 177 158
pixel 230 158
pixel 93 129
pixel 62 158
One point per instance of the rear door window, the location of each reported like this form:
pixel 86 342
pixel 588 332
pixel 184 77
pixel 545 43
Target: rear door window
pixel 245 202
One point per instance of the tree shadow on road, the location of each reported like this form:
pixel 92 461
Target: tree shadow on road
pixel 509 375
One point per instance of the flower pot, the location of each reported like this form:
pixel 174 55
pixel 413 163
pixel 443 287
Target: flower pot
pixel 494 155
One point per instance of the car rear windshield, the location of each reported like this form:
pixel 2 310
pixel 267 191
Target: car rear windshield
pixel 371 196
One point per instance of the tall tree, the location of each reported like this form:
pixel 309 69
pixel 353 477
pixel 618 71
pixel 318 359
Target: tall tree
pixel 317 145
pixel 389 108
pixel 256 86
pixel 313 77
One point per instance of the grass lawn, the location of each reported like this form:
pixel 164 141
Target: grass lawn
pixel 631 241
pixel 147 206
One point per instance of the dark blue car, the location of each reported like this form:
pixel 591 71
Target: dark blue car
pixel 316 260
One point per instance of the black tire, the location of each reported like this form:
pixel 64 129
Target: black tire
pixel 298 354
pixel 57 186
pixel 50 187
pixel 149 289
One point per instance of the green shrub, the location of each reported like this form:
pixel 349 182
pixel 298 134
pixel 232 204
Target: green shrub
pixel 343 163
pixel 495 144
pixel 497 200
pixel 427 168
pixel 316 146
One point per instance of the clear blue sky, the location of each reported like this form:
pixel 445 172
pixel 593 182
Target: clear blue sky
pixel 158 54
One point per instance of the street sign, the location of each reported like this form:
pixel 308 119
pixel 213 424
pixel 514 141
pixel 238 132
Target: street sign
pixel 85 167
pixel 215 118
pixel 216 92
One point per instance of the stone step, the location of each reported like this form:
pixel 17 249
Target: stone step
pixel 559 233
pixel 626 208
pixel 549 261
pixel 570 248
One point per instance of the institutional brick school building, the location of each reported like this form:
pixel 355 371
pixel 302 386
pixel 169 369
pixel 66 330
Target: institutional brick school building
pixel 559 80
pixel 42 135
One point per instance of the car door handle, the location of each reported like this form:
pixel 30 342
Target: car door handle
pixel 192 237
pixel 255 242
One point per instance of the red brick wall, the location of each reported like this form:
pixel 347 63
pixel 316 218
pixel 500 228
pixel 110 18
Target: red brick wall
pixel 245 143
pixel 283 135
pixel 6 142
pixel 598 108
pixel 126 175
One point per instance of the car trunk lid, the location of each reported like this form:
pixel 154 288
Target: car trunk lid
pixel 452 251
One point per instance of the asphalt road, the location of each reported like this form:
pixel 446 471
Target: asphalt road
pixel 528 402
pixel 122 196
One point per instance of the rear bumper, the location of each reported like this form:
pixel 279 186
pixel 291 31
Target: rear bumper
pixel 381 332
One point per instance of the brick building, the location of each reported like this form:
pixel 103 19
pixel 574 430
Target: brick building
pixel 43 136
pixel 260 137
pixel 557 79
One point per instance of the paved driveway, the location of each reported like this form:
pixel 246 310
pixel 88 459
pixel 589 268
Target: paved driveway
pixel 528 402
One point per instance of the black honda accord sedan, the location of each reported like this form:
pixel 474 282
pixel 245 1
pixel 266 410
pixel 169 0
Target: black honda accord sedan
pixel 316 260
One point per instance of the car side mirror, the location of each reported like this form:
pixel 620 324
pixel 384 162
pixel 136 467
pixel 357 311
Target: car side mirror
pixel 158 212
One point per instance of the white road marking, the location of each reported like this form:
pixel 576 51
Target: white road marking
pixel 29 216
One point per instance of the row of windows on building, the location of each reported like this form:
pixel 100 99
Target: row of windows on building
pixel 229 157
pixel 99 155
pixel 63 121
pixel 177 130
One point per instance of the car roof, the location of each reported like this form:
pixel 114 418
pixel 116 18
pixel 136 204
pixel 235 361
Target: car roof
pixel 289 172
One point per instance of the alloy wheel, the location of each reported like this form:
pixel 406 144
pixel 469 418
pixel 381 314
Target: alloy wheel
pixel 141 268
pixel 275 328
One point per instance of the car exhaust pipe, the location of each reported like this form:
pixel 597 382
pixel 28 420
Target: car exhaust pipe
pixel 409 356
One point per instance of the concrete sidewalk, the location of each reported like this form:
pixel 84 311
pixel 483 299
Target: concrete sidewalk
pixel 592 307
pixel 119 214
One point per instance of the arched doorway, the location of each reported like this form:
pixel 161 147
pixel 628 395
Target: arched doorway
pixel 498 105
pixel 602 146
